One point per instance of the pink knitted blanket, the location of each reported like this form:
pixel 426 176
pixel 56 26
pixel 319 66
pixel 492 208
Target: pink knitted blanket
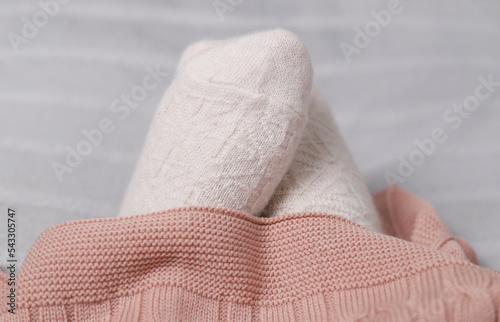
pixel 207 264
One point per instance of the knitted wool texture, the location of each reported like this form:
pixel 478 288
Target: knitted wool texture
pixel 212 264
pixel 323 177
pixel 215 264
pixel 226 131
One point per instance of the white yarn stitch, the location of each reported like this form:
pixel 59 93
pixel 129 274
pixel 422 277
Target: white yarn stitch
pixel 226 130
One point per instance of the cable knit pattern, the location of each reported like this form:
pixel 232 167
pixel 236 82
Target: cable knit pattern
pixel 323 176
pixel 213 264
pixel 229 124
pixel 208 136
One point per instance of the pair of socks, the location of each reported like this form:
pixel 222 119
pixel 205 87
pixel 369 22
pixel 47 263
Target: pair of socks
pixel 241 127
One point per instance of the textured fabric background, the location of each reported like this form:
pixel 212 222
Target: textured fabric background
pixel 395 91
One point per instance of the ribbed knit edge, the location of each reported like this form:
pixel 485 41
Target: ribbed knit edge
pixel 448 288
pixel 440 294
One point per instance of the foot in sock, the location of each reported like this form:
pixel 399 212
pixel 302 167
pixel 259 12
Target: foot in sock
pixel 322 154
pixel 227 128
pixel 323 176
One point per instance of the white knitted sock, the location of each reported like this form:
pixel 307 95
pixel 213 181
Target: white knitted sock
pixel 227 128
pixel 323 176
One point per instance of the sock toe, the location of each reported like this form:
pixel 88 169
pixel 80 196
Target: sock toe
pixel 198 47
pixel 275 63
pixel 227 128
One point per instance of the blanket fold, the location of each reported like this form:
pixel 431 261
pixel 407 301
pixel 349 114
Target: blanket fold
pixel 211 264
